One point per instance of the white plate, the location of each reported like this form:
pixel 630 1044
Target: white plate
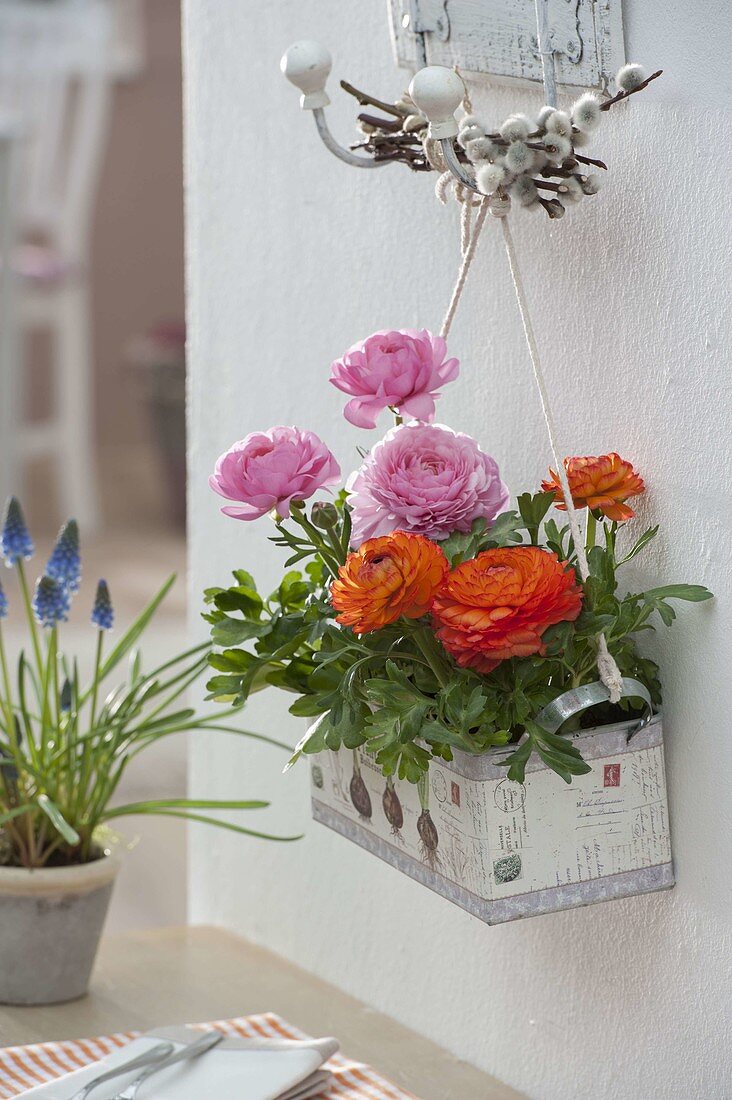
pixel 236 1069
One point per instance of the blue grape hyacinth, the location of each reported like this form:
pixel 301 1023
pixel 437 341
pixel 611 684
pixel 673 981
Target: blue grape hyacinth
pixel 103 613
pixel 16 543
pixel 3 603
pixel 64 565
pixel 51 602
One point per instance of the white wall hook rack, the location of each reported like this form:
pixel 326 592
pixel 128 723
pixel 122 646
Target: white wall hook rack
pixel 436 91
pixel 522 160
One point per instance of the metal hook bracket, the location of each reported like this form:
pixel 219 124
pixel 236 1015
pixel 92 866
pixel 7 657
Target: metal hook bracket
pixel 427 17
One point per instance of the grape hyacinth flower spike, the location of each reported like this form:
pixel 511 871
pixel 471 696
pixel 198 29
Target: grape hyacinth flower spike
pixel 64 565
pixel 16 544
pixel 102 616
pixel 3 603
pixel 103 613
pixel 51 602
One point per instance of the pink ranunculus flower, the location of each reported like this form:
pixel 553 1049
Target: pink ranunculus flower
pixel 399 369
pixel 271 469
pixel 426 479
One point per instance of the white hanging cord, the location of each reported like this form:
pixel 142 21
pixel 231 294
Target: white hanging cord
pixel 466 219
pixel 443 185
pixel 606 666
pixel 433 153
pixel 468 254
pixel 469 201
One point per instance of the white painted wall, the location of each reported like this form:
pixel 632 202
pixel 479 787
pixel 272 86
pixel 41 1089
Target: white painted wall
pixel 292 257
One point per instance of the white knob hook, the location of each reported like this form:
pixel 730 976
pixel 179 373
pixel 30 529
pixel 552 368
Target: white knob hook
pixel 307 65
pixel 438 92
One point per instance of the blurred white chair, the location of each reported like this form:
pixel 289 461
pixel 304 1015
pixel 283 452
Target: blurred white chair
pixel 128 51
pixel 9 341
pixel 55 77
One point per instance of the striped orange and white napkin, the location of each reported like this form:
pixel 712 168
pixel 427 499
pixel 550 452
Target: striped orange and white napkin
pixel 26 1067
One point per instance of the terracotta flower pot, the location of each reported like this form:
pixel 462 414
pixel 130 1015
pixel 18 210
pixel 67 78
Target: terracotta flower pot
pixel 51 920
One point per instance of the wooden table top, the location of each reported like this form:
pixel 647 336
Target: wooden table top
pixel 184 975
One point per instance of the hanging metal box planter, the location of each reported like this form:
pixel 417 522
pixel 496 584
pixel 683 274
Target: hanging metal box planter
pixel 504 850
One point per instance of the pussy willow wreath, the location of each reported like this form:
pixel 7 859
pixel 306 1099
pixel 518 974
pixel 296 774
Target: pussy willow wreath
pixel 537 162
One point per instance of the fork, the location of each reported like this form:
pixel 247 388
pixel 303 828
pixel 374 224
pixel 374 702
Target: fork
pixel 192 1050
pixel 155 1054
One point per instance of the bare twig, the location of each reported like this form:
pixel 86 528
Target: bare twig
pixel 590 160
pixel 621 95
pixel 370 101
pixel 548 186
pixel 567 168
pixel 381 123
pixel 416 164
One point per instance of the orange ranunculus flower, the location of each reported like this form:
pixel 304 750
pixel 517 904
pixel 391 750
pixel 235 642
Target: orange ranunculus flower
pixel 601 483
pixel 387 577
pixel 499 604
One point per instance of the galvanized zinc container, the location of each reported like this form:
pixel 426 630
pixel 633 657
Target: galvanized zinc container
pixel 504 850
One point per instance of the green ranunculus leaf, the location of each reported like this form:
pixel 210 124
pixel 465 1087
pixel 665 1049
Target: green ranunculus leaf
pixel 292 592
pixel 517 761
pixel 554 537
pixel 308 706
pixel 246 580
pixel 312 741
pixel 231 632
pixel 410 762
pixel 641 543
pixel 533 508
pixel 240 598
pixel 504 531
pixel 694 593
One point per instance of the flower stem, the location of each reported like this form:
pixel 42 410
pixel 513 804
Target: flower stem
pixel 31 617
pixel 47 724
pixel 338 550
pixel 591 531
pixel 320 546
pixel 430 650
pixel 8 700
pixel 95 680
pixel 53 645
